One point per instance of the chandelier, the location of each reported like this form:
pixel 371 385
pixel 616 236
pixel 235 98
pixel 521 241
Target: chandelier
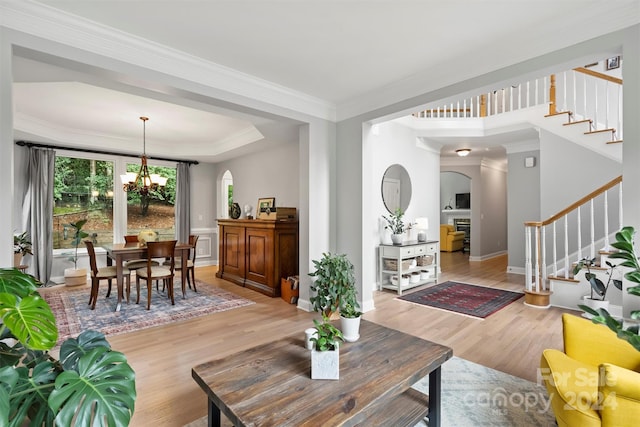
pixel 142 182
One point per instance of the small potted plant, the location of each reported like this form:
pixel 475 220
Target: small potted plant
pixel 333 278
pixel 350 315
pixel 21 247
pixel 597 298
pixel 396 226
pixel 325 356
pixel 76 276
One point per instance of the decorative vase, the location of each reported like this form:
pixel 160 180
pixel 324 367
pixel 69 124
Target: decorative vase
pixel 75 276
pixel 325 365
pixel 397 239
pixel 147 236
pixel 350 328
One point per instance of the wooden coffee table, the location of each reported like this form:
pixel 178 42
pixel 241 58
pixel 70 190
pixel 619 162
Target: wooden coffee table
pixel 271 385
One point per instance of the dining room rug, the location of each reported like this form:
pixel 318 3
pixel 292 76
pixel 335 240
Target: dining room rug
pixel 476 396
pixel 73 314
pixel 463 298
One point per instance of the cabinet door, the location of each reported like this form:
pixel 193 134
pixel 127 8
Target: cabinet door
pixel 233 239
pixel 259 259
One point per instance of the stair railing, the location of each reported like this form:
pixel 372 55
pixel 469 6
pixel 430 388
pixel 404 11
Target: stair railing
pixel 587 94
pixel 569 220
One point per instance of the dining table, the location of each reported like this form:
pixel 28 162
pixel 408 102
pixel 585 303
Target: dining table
pixel 118 253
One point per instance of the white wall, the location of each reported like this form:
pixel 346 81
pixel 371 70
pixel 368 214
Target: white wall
pixel 452 183
pixel 396 144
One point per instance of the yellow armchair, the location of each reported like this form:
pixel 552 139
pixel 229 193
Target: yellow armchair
pixel 450 239
pixel 596 381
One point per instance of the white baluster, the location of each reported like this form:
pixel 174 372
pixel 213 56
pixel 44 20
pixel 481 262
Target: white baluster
pixel 619 128
pixel 520 96
pixel 504 100
pixel 458 115
pixel 564 91
pixel 537 259
pixel 584 97
pixel 566 248
pixel 511 98
pixel 451 110
pixel 555 250
pixel 536 94
pixel 527 256
pixel 579 234
pixel 592 253
pixel 543 250
pixel 528 95
pixel 595 106
pixel 620 206
pixel 606 221
pixel 464 107
pixel 575 95
pixel 606 101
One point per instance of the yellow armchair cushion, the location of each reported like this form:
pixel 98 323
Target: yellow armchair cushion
pixel 450 239
pixel 619 396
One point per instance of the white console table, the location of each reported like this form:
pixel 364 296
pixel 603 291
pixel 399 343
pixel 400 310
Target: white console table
pixel 407 252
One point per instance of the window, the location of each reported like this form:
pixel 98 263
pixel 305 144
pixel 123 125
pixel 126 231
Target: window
pixel 156 211
pixel 83 189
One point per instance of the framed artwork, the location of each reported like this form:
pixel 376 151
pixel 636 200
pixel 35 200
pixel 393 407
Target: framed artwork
pixel 613 63
pixel 266 203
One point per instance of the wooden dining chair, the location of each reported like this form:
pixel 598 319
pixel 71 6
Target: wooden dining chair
pixel 134 264
pixel 164 272
pixel 191 262
pixel 103 273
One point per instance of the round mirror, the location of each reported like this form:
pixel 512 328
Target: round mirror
pixel 396 188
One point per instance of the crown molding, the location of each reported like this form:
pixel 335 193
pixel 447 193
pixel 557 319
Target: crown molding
pixel 54 25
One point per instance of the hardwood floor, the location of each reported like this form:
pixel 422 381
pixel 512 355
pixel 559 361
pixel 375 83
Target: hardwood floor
pixel 510 340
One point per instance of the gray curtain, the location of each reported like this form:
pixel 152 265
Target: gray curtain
pixel 183 202
pixel 38 207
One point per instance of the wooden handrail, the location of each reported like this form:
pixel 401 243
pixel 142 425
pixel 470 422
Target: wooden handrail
pixel 598 75
pixel 575 205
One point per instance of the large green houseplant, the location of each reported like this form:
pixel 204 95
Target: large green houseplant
pixel 333 278
pixel 89 384
pixel 625 252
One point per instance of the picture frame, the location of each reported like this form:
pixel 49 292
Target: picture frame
pixel 265 204
pixel 613 63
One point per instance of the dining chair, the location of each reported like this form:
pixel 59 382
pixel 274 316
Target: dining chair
pixel 103 273
pixel 164 272
pixel 191 262
pixel 134 264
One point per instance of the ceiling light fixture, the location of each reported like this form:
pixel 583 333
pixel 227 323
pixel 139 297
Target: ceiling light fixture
pixel 142 182
pixel 462 152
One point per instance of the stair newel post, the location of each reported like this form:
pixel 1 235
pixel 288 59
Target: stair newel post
pixel 483 105
pixel 552 95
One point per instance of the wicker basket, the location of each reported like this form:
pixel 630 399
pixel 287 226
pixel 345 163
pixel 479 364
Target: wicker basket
pixel 424 260
pixel 392 264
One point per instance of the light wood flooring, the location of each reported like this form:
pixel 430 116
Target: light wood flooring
pixel 510 340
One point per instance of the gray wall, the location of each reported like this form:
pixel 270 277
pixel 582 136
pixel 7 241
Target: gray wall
pixel 452 183
pixel 523 204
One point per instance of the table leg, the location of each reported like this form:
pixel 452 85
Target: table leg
pixel 214 415
pixel 119 280
pixel 184 254
pixel 435 389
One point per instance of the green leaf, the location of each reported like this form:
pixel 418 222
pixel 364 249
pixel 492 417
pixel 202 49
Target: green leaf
pixel 28 394
pixel 74 348
pixel 30 319
pixel 101 391
pixel 13 281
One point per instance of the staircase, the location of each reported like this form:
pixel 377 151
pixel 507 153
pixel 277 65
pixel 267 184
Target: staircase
pixel 581 106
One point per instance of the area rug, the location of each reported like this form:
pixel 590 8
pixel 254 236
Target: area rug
pixel 471 300
pixel 74 315
pixel 476 396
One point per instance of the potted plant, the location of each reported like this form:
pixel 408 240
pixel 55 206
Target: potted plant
pixel 350 314
pixel 333 277
pixel 396 226
pixel 21 247
pixel 325 359
pixel 89 385
pixel 597 298
pixel 76 276
pixel 625 330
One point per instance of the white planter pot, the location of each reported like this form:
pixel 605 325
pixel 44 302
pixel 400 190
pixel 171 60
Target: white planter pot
pixel 397 239
pixel 325 365
pixel 594 304
pixel 350 328
pixel 75 277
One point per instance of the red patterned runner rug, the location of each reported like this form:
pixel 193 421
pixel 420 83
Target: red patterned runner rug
pixel 471 300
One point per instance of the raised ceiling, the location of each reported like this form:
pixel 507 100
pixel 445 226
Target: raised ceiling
pixel 348 55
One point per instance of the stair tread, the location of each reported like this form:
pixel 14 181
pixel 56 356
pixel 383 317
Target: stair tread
pixel 563 279
pixel 577 122
pixel 617 141
pixel 600 131
pixel 558 113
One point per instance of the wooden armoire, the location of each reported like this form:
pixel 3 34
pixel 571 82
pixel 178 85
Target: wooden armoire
pixel 257 253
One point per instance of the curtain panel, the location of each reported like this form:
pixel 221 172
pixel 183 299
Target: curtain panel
pixel 183 202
